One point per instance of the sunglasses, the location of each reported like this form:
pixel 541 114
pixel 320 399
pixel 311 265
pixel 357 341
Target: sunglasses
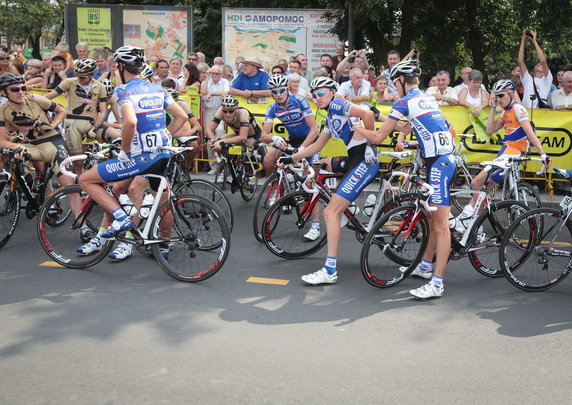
pixel 319 93
pixel 17 89
pixel 6 58
pixel 228 111
pixel 278 91
pixel 500 95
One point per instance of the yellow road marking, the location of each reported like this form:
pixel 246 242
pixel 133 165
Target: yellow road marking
pixel 51 264
pixel 263 280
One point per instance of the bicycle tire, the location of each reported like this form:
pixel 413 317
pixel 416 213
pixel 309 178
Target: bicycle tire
pixel 541 264
pixel 483 246
pixel 249 181
pixel 10 203
pixel 199 245
pixel 211 192
pixel 286 223
pixel 462 181
pixel 268 195
pixel 384 261
pixel 527 194
pixel 60 239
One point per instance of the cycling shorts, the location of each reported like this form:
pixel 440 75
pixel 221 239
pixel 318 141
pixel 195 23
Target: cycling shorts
pixel 144 163
pixel 504 154
pixel 50 150
pixel 75 129
pixel 359 173
pixel 441 170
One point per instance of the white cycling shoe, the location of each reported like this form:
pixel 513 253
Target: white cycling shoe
pixel 312 234
pixel 94 245
pixel 320 277
pixel 122 251
pixel 418 272
pixel 427 291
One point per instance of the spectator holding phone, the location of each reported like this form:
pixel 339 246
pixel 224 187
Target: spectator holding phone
pixel 536 86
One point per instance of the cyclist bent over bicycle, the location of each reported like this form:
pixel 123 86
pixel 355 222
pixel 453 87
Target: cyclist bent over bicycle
pixel 142 106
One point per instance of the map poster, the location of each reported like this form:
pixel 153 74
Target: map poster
pixel 273 34
pixel 94 27
pixel 162 33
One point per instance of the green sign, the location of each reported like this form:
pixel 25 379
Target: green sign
pixel 94 27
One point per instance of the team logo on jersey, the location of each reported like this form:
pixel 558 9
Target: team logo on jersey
pixel 150 103
pixel 426 105
pixel 336 124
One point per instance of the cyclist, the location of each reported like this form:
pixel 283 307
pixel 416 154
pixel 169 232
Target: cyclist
pixel 295 114
pixel 518 134
pixel 87 101
pixel 361 166
pixel 143 107
pixel 109 130
pixel 436 147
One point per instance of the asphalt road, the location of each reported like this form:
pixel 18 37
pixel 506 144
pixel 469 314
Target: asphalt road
pixel 126 333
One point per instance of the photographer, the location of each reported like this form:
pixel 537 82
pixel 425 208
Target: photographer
pixel 537 86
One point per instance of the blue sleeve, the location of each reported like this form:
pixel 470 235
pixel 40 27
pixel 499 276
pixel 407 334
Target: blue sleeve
pixel 264 81
pixel 237 82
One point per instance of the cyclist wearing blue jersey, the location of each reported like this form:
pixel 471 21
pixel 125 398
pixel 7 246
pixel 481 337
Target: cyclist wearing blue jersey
pixel 361 168
pixel 436 146
pixel 143 108
pixel 295 114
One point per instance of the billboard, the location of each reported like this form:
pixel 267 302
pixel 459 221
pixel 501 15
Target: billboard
pixel 273 34
pixel 94 27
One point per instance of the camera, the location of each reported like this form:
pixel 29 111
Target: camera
pixel 528 32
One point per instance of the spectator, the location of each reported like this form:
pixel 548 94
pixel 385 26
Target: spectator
pixel 383 94
pixel 515 71
pixel 326 60
pixel 34 75
pixel 433 81
pixel 474 96
pixel 227 74
pixel 112 72
pixel 357 89
pixel 100 57
pixel 304 71
pixel 57 73
pixel 162 70
pixel 340 55
pixel 203 71
pixel 63 50
pixel 465 79
pixel 277 70
pixel 239 64
pixel 219 61
pixel 213 88
pixel 5 64
pixel 201 57
pixel 294 84
pixel 561 99
pixel 443 93
pixel 82 51
pixel 176 72
pixel 47 60
pixel 559 79
pixel 294 67
pixel 193 58
pixel 252 83
pixel 519 87
pixel 345 65
pixel 284 64
pixel 192 73
pixel 393 57
pixel 537 86
pixel 18 66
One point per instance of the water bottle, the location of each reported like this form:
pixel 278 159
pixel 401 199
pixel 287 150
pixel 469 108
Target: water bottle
pixel 146 206
pixel 354 209
pixel 127 205
pixel 369 204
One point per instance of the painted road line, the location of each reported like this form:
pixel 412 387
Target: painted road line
pixel 262 280
pixel 51 264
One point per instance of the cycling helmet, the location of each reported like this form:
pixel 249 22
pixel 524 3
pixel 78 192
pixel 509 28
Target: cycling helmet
pixel 277 81
pixel 173 92
pixel 229 102
pixel 326 82
pixel 10 78
pixel 85 67
pixel 147 72
pixel 407 68
pixel 109 87
pixel 503 86
pixel 130 55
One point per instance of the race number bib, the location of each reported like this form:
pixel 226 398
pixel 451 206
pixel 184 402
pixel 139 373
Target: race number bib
pixel 443 142
pixel 150 141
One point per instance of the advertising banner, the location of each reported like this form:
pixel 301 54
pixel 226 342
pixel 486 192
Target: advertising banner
pixel 273 34
pixel 162 33
pixel 94 27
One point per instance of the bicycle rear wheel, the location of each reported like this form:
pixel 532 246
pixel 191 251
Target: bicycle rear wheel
pixel 212 193
pixel 527 194
pixel 545 257
pixel 60 233
pixel 487 233
pixel 196 238
pixel 9 211
pixel 288 220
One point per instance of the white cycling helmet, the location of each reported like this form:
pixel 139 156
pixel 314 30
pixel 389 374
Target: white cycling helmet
pixel 173 92
pixel 407 68
pixel 147 72
pixel 277 81
pixel 504 86
pixel 85 67
pixel 109 87
pixel 321 82
pixel 130 55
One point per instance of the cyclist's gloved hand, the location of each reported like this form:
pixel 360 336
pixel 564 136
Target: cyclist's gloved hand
pixel 279 141
pixel 217 144
pixel 546 160
pixel 370 155
pixel 285 160
pixel 123 157
pixel 22 154
pixel 91 134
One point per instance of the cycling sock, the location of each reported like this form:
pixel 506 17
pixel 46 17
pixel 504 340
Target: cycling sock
pixel 330 265
pixel 437 281
pixel 119 214
pixel 101 230
pixel 425 265
pixel 316 224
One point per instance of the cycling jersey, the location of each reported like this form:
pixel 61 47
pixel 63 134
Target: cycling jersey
pixel 31 120
pixel 338 123
pixel 515 140
pixel 149 102
pixel 293 116
pixel 428 123
pixel 82 99
pixel 243 118
pixel 185 108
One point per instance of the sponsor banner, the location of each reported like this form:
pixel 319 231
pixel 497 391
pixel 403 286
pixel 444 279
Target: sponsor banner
pixel 273 34
pixel 94 27
pixel 554 129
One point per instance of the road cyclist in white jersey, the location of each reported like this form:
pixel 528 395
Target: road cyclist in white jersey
pixel 436 147
pixel 143 108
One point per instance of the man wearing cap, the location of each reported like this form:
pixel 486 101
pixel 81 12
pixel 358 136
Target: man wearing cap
pixel 252 82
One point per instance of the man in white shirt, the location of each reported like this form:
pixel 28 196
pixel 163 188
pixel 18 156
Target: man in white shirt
pixel 539 84
pixel 356 89
pixel 294 67
pixel 444 94
pixel 561 99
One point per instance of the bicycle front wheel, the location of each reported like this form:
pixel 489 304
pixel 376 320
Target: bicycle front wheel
pixel 212 193
pixel 60 233
pixel 288 222
pixel 394 246
pixel 271 192
pixel 9 211
pixel 195 238
pixel 536 251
